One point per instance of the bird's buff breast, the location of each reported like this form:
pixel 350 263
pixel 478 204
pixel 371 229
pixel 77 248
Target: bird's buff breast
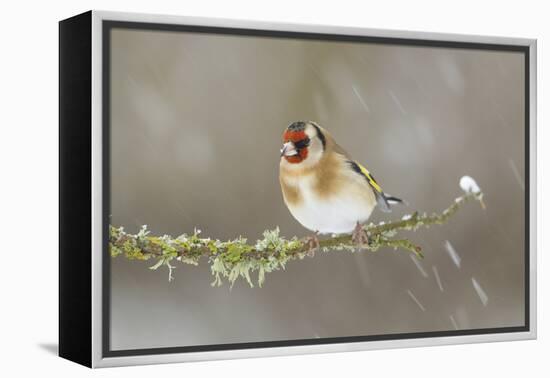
pixel 336 213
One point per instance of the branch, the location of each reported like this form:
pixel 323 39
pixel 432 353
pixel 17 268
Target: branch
pixel 237 258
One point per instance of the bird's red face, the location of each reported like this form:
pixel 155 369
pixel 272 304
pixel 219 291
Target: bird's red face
pixel 296 143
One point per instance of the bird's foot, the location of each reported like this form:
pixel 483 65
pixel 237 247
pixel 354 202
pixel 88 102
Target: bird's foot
pixel 359 236
pixel 312 243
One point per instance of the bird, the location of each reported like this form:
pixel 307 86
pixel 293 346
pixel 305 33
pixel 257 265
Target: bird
pixel 325 190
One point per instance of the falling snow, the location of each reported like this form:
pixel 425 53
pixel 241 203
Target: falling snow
pixel 437 278
pixel 415 300
pixel 397 102
pixel 453 321
pixel 480 292
pixel 419 266
pixel 518 177
pixel 452 252
pixel 361 100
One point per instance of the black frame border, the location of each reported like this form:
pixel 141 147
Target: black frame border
pixel 109 25
pixel 75 194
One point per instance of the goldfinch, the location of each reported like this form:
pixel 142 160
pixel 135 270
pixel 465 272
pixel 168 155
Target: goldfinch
pixel 323 187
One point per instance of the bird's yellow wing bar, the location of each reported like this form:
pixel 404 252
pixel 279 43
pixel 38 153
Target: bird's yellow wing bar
pixel 382 198
pixel 365 172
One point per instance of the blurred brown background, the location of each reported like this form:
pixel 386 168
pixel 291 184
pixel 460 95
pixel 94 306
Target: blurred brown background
pixel 196 130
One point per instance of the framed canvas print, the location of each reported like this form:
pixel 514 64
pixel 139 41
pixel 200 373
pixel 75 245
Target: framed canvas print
pixel 233 189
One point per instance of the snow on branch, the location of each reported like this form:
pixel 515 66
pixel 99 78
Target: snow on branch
pixel 237 258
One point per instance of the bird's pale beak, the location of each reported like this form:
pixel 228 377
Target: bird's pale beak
pixel 288 149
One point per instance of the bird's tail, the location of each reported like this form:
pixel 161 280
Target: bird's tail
pixel 386 201
pixel 393 200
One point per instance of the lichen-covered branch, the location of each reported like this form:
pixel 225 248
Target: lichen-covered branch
pixel 237 258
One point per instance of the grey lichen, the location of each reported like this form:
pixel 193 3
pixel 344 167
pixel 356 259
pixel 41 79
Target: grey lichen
pixel 236 258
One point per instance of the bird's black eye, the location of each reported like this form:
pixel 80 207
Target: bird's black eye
pixel 302 143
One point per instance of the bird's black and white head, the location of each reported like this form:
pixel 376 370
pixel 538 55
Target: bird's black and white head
pixel 304 143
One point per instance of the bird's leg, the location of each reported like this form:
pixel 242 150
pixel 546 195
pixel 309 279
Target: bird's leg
pixel 359 236
pixel 312 243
